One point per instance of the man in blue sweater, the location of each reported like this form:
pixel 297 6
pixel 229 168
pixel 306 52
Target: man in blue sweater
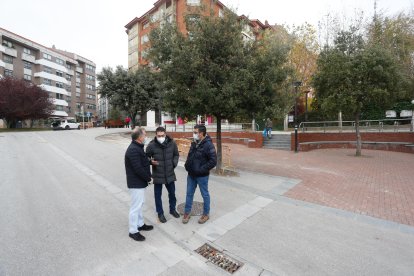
pixel 201 159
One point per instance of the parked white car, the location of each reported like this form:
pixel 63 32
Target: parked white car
pixel 65 124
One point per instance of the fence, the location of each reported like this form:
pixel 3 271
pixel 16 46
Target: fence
pixel 225 127
pixel 395 125
pixel 185 144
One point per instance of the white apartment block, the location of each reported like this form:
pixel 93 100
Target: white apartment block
pixel 69 78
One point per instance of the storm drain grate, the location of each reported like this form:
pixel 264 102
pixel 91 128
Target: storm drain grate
pixel 219 258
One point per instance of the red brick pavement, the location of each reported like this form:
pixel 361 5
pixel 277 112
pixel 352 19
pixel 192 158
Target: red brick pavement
pixel 378 184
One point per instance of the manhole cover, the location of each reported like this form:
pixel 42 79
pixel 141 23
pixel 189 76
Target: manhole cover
pixel 196 210
pixel 219 258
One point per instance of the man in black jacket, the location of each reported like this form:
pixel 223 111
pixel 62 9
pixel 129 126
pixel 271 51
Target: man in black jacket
pixel 163 152
pixel 201 159
pixel 138 175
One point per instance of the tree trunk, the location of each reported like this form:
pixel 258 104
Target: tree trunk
pixel 358 135
pixel 219 148
pixel 132 115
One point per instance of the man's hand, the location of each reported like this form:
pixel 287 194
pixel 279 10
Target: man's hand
pixel 154 162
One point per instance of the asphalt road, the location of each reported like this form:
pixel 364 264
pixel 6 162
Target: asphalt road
pixel 64 211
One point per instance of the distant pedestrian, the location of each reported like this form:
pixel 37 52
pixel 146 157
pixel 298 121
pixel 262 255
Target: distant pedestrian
pixel 164 155
pixel 127 121
pixel 201 159
pixel 268 127
pixel 138 173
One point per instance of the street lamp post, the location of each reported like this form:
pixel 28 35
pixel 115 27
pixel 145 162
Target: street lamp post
pixel 296 84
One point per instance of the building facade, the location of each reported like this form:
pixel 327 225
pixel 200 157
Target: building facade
pixel 175 12
pixel 69 78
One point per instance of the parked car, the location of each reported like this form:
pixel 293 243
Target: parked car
pixel 65 124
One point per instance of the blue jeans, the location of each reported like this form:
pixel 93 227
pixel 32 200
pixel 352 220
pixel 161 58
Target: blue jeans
pixel 191 187
pixel 171 197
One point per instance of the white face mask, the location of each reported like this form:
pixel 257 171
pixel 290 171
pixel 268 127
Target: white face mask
pixel 196 137
pixel 161 139
pixel 146 140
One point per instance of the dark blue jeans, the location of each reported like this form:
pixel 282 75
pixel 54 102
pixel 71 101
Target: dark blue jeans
pixel 191 187
pixel 171 197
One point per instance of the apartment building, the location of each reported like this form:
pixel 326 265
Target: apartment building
pixel 175 12
pixel 69 78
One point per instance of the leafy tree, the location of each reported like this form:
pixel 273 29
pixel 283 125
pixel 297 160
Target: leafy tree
pixel 352 75
pixel 396 34
pixel 135 92
pixel 212 70
pixel 20 100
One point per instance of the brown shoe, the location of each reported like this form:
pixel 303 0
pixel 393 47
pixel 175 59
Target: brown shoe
pixel 186 218
pixel 203 219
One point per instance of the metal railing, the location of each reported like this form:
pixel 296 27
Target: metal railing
pixel 389 125
pixel 225 127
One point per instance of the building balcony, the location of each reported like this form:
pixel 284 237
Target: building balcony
pixel 10 52
pixel 2 49
pixel 8 66
pixel 78 90
pixel 46 75
pixel 51 65
pixel 2 64
pixel 70 72
pixel 54 89
pixel 59 113
pixel 27 71
pixel 79 69
pixel 60 102
pixel 28 58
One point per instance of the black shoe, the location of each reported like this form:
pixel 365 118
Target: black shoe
pixel 162 218
pixel 137 236
pixel 175 214
pixel 145 228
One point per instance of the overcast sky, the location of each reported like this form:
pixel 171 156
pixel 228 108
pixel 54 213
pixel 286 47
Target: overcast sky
pixel 95 29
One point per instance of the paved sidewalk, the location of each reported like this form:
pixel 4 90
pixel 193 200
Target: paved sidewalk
pixel 378 184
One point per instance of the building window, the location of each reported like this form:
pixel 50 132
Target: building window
pixel 59 107
pixel 8 73
pixel 59 96
pixel 60 85
pixel 68 77
pixel 59 73
pixel 193 2
pixel 90 78
pixel 8 59
pixel 27 77
pixel 144 39
pixel 47 81
pixel 8 44
pixel 59 61
pixel 27 51
pixel 221 13
pixel 78 84
pixel 68 99
pixel 27 65
pixel 90 96
pixel 145 25
pixel 69 66
pixel 89 87
pixel 47 56
pixel 77 94
pixel 90 67
pixel 47 69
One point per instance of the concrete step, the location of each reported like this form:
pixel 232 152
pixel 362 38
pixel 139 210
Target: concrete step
pixel 277 148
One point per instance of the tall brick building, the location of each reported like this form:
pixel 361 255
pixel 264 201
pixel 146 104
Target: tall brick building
pixel 175 12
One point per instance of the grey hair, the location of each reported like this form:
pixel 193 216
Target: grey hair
pixel 137 132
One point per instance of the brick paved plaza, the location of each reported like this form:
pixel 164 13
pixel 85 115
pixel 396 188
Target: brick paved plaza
pixel 378 184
